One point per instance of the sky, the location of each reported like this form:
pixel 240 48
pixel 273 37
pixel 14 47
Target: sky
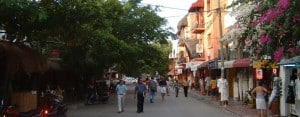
pixel 172 10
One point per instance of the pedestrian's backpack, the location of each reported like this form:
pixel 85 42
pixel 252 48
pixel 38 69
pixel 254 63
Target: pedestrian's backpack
pixel 152 85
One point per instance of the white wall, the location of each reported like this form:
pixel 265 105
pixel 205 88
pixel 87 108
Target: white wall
pixel 283 73
pixel 235 90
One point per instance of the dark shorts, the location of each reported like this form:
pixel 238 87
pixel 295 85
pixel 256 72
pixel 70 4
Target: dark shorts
pixel 214 92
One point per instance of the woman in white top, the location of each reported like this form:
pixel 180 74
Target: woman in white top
pixel 223 88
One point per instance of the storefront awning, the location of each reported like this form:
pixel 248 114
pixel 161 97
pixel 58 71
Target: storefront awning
pixel 228 64
pixel 214 64
pixel 193 65
pixel 204 64
pixel 245 62
pixel 291 63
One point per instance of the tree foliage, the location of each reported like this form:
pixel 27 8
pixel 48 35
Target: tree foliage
pixel 92 35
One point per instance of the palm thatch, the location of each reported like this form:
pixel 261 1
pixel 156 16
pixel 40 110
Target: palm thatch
pixel 16 60
pixel 22 58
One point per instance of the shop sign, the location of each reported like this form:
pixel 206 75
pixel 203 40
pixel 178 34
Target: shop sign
pixel 179 71
pixel 54 54
pixel 259 74
pixel 213 64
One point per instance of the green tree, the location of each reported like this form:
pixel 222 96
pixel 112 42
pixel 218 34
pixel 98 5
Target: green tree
pixel 140 27
pixel 92 35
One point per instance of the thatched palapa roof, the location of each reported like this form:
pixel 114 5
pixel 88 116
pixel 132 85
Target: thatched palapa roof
pixel 22 58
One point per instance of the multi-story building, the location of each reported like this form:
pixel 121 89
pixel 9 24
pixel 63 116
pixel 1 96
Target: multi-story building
pixel 199 41
pixel 199 47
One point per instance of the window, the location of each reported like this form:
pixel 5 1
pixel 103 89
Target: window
pixel 209 41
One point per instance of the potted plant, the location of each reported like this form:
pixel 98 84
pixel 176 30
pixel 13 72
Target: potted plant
pixel 248 100
pixel 251 104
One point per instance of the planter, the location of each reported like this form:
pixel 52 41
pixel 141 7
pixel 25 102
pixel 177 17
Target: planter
pixel 251 106
pixel 274 107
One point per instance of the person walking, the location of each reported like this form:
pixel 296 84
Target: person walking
pixel 207 85
pixel 223 87
pixel 168 87
pixel 163 88
pixel 152 89
pixel 121 90
pixel 176 86
pixel 186 87
pixel 59 92
pixel 214 89
pixel 201 85
pixel 140 92
pixel 261 105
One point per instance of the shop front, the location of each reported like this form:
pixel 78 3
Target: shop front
pixel 290 99
pixel 182 73
pixel 193 73
pixel 266 71
pixel 230 74
pixel 244 80
pixel 214 69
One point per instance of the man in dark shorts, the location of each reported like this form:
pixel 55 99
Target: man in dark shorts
pixel 214 89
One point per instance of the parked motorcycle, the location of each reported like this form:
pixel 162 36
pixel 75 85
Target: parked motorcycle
pixel 98 96
pixel 11 111
pixel 55 107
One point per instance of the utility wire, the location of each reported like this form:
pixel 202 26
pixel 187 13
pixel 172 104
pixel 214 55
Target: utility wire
pixel 212 10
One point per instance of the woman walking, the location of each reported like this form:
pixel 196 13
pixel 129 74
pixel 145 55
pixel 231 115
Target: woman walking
pixel 176 86
pixel 261 105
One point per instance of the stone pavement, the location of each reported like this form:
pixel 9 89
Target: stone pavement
pixel 235 107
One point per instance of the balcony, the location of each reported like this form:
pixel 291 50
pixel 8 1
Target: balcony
pixel 198 28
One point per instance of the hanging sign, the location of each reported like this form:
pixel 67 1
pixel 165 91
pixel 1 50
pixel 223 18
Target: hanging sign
pixel 259 74
pixel 275 72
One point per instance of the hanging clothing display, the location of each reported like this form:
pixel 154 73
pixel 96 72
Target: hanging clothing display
pixel 273 95
pixel 297 88
pixel 291 93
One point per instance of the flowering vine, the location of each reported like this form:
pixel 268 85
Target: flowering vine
pixel 268 27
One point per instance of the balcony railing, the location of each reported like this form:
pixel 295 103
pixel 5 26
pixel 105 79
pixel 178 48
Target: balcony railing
pixel 198 28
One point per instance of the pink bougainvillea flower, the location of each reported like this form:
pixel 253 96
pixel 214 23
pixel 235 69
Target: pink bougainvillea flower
pixel 265 38
pixel 278 54
pixel 255 23
pixel 272 14
pixel 284 4
pixel 292 50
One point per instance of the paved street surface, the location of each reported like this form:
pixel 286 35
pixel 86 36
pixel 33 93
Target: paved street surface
pixel 191 106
